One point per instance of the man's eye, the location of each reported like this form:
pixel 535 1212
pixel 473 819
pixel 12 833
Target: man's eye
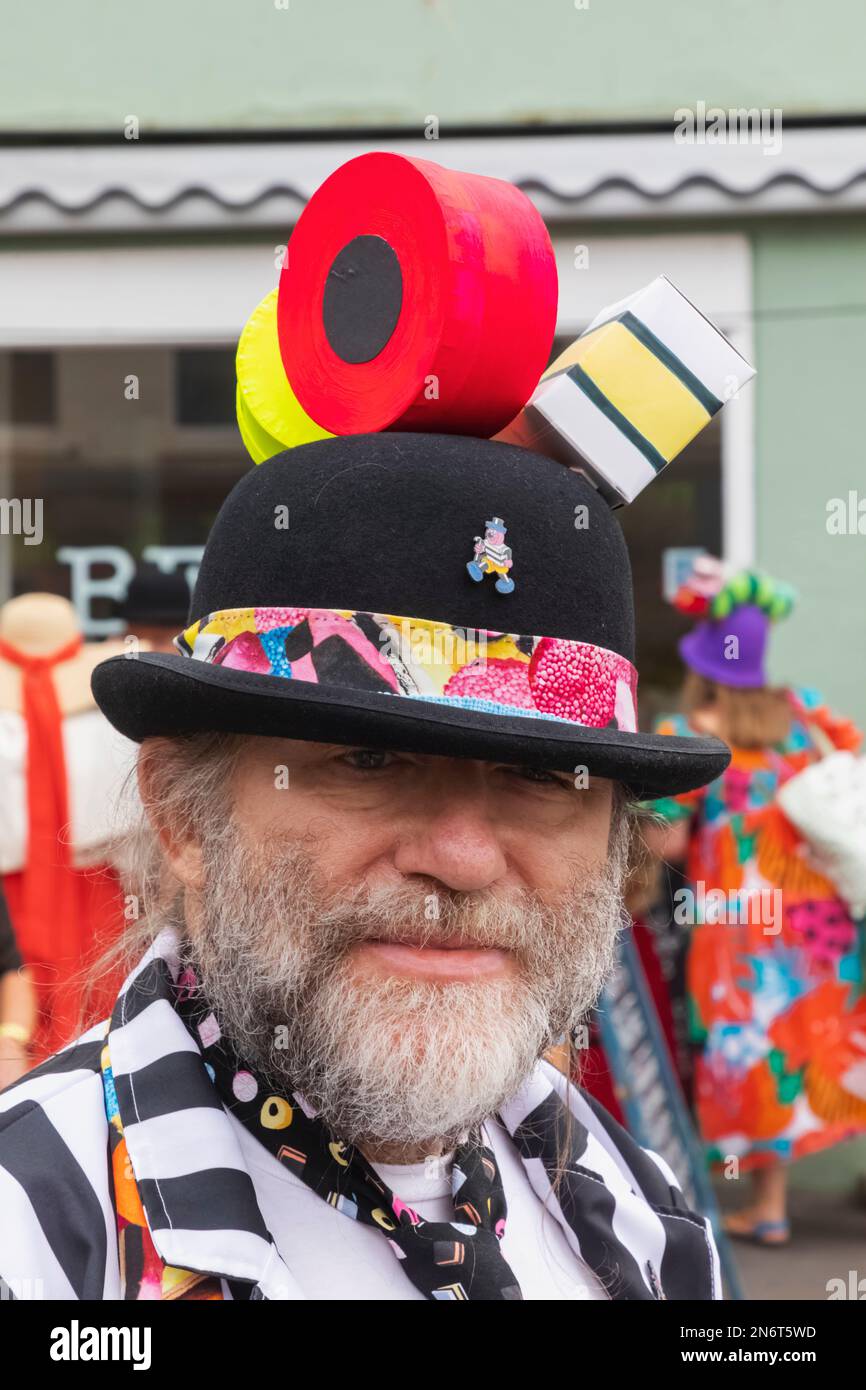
pixel 537 774
pixel 367 759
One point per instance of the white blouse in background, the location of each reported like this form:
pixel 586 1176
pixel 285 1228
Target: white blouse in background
pixel 99 761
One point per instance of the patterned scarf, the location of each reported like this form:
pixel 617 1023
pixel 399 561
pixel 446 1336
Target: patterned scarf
pixel 186 1203
pixel 446 1260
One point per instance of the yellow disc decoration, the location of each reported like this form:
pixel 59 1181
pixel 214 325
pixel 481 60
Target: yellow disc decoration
pixel 384 1219
pixel 270 419
pixel 258 443
pixel 276 1113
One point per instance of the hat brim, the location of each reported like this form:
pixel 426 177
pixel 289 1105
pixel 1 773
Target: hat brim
pixel 158 693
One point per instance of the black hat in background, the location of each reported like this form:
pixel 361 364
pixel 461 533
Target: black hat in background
pixel 155 599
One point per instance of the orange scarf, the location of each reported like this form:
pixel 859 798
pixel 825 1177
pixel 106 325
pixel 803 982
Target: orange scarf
pixel 48 925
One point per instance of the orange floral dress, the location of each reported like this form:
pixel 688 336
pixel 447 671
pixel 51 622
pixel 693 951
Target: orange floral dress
pixel 775 967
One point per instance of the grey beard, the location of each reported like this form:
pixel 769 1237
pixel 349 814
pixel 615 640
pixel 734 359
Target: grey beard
pixel 393 1060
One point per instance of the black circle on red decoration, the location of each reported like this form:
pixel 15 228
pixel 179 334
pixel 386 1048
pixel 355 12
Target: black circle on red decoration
pixel 362 299
pixel 478 301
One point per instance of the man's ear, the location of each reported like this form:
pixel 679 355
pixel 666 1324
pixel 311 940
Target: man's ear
pixel 158 776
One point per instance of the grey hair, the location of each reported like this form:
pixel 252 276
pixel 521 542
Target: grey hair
pixel 190 778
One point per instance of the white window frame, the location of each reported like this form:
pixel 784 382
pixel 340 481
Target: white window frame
pixel 200 295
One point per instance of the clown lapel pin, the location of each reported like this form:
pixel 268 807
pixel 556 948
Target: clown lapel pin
pixel 492 556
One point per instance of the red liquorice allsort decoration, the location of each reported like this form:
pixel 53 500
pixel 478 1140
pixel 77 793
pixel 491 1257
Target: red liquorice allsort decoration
pixel 416 298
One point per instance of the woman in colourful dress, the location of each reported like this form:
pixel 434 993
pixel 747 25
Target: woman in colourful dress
pixel 775 970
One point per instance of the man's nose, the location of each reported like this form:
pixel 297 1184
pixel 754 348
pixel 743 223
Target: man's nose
pixel 454 841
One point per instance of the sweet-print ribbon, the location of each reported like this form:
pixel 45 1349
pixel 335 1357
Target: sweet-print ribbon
pixel 416 658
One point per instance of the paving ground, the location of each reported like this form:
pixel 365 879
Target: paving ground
pixel 828 1241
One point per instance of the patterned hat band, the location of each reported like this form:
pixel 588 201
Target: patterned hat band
pixel 418 659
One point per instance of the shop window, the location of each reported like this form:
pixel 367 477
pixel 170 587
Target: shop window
pixel 32 388
pixel 116 484
pixel 204 380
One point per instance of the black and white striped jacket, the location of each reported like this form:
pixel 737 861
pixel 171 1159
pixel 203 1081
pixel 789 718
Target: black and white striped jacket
pixel 620 1207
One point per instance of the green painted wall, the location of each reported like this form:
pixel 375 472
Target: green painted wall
pixel 253 64
pixel 809 304
pixel 810 299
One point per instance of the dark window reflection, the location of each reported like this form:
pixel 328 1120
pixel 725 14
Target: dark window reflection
pixel 32 394
pixel 205 386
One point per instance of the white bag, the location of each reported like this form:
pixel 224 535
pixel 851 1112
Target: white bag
pixel 827 804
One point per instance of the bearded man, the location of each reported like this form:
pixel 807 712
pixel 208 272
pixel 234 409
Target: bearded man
pixel 380 876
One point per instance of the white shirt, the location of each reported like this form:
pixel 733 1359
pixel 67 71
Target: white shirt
pixel 211 1192
pixel 333 1257
pixel 102 795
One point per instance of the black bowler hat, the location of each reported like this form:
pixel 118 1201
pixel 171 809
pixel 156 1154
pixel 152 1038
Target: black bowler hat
pixel 346 596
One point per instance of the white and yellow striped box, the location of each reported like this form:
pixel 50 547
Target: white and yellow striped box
pixel 629 394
